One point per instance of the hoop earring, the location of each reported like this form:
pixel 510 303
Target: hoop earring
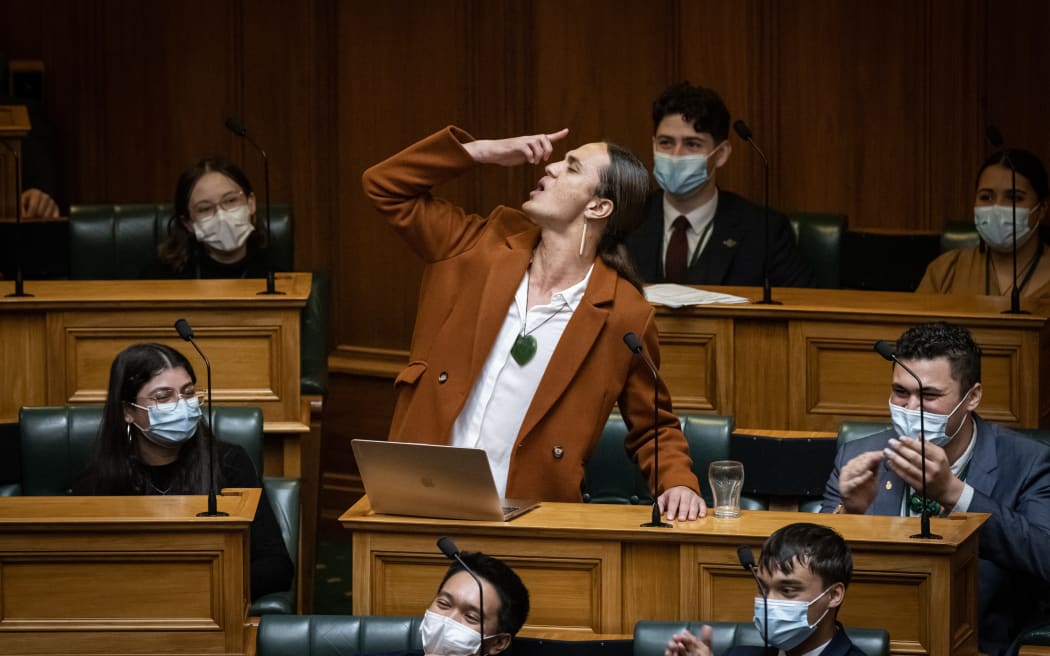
pixel 583 236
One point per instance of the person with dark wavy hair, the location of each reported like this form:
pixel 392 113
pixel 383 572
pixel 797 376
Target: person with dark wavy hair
pixel 972 465
pixel 213 232
pixel 518 344
pixel 151 441
pixel 695 232
pixel 987 268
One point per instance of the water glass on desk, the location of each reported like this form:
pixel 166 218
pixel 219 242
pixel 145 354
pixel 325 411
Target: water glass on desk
pixel 727 481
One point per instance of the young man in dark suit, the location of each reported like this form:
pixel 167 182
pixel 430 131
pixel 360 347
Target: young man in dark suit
pixel 695 233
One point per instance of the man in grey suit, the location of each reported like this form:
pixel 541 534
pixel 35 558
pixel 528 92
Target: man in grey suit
pixel 696 233
pixel 971 465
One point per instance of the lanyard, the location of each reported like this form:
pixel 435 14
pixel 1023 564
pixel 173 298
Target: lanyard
pixel 1027 276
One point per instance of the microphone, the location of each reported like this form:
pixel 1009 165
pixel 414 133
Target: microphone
pixel 747 559
pixel 19 281
pixel 995 139
pixel 448 547
pixel 234 125
pixel 883 348
pixel 744 133
pixel 635 344
pixel 186 332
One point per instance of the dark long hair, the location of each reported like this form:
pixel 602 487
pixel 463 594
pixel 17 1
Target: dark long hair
pixel 181 244
pixel 115 467
pixel 626 183
pixel 1025 163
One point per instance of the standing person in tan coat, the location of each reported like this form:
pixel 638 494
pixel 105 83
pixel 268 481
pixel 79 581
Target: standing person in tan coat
pixel 518 343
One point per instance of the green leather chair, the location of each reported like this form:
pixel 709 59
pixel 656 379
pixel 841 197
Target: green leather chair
pixel 56 443
pixel 819 238
pixel 336 635
pixel 611 477
pixel 958 234
pixel 854 430
pixel 115 242
pixel 650 638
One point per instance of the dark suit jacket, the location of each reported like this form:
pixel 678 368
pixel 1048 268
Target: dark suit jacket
pixel 840 645
pixel 1010 475
pixel 733 255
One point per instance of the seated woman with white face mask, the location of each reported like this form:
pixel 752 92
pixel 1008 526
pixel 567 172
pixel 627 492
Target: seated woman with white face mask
pixel 987 269
pixel 151 441
pixel 213 233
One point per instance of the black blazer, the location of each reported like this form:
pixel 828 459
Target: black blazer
pixel 840 645
pixel 734 251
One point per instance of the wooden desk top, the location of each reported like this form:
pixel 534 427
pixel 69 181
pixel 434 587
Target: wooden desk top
pixel 102 294
pixel 602 521
pixel 882 307
pixel 20 513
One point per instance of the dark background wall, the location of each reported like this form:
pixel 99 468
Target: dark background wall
pixel 876 110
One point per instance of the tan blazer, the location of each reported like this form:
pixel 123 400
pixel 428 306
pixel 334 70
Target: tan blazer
pixel 473 266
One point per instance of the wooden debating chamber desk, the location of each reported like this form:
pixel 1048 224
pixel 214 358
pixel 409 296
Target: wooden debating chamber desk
pixel 592 569
pixel 124 575
pixel 56 346
pixel 809 363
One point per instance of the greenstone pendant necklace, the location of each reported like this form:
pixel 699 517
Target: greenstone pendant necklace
pixel 524 347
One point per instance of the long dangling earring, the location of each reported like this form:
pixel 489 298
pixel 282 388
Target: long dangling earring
pixel 583 236
pixel 127 431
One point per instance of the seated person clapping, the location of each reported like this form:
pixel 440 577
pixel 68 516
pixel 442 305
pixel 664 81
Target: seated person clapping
pixel 151 441
pixel 213 232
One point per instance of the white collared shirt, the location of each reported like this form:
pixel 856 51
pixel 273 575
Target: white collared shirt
pixel 504 390
pixel 698 234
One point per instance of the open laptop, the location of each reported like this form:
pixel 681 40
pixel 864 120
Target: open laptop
pixel 429 480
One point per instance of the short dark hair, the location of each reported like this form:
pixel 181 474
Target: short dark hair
pixel 817 547
pixel 513 595
pixel 698 105
pixel 1025 163
pixel 938 339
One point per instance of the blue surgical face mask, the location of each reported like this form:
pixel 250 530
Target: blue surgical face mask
pixel 907 423
pixel 171 424
pixel 788 620
pixel 995 224
pixel 680 174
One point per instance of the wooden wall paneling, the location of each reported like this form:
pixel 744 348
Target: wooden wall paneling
pixel 852 96
pixel 724 46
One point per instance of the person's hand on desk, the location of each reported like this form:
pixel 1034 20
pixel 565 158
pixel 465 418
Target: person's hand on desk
pixel 687 644
pixel 904 456
pixel 37 204
pixel 682 504
pixel 858 481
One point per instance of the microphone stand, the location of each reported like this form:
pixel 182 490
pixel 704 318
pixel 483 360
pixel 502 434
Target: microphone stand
pixel 448 547
pixel 235 126
pixel 186 332
pixel 744 132
pixel 883 349
pixel 747 559
pixel 995 139
pixel 635 345
pixel 19 281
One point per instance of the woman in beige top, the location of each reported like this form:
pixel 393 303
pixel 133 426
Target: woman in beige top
pixel 988 267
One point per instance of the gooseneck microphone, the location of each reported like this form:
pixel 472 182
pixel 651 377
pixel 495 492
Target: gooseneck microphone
pixel 995 139
pixel 448 547
pixel 186 332
pixel 234 125
pixel 19 281
pixel 747 560
pixel 883 348
pixel 744 133
pixel 635 344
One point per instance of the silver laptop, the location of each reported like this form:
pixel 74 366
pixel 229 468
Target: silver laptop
pixel 429 480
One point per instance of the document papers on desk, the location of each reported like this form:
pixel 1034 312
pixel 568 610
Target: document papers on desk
pixel 676 296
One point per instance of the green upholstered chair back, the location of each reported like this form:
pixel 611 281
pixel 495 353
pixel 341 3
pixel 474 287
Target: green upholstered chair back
pixel 336 635
pixel 650 638
pixel 55 444
pixel 819 238
pixel 958 234
pixel 313 332
pixel 116 242
pixel 854 430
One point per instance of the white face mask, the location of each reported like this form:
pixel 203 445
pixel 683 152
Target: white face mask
pixel 447 637
pixel 226 230
pixel 995 224
pixel 788 620
pixel 907 423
